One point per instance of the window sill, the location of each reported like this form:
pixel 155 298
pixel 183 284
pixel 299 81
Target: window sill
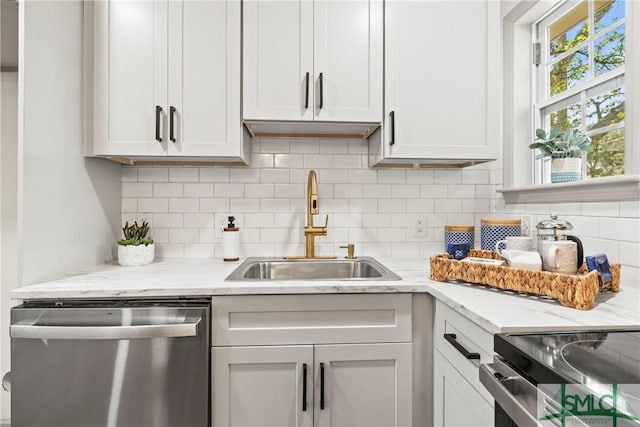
pixel 613 189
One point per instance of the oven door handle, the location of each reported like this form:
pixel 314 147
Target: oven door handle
pixel 186 329
pixel 497 383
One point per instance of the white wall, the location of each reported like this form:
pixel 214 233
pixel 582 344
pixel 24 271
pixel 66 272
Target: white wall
pixel 8 215
pixel 68 207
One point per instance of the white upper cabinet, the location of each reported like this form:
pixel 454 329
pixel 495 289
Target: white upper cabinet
pixel 166 79
pixel 442 71
pixel 313 60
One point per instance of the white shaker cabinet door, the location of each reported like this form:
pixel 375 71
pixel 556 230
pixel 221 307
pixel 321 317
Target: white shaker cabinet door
pixel 456 402
pixel 363 385
pixel 278 60
pixel 262 386
pixel 348 60
pixel 204 78
pixel 130 78
pixel 442 67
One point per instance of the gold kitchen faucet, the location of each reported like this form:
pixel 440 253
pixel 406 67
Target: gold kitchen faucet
pixel 311 231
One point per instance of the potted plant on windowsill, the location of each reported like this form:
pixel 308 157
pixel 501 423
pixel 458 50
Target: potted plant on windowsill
pixel 136 248
pixel 565 149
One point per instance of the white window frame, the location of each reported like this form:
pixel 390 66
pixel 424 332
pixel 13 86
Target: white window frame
pixel 519 121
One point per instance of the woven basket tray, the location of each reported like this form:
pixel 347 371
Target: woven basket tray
pixel 575 291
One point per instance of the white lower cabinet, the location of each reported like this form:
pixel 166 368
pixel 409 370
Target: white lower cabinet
pixel 459 399
pixel 305 382
pixel 457 403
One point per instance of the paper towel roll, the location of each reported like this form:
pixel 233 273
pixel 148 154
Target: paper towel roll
pixel 231 244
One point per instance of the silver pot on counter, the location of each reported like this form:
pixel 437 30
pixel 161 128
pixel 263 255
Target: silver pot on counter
pixel 555 229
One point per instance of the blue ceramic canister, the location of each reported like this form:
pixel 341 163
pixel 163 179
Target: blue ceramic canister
pixel 459 234
pixel 494 229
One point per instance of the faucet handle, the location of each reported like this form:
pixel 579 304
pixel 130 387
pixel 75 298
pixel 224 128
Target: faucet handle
pixel 326 221
pixel 350 249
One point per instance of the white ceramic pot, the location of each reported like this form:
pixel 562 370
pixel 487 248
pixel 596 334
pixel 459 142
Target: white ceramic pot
pixel 566 170
pixel 136 255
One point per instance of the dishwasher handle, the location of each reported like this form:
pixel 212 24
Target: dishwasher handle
pixel 499 386
pixel 29 331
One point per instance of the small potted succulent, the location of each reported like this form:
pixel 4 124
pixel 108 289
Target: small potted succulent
pixel 136 248
pixel 565 149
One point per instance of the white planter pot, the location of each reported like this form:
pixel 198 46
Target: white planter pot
pixel 136 255
pixel 566 170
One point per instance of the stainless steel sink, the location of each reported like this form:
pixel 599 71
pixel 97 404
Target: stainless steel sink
pixel 361 268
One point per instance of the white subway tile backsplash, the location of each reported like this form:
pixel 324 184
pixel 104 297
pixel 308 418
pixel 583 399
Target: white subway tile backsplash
pixel 600 209
pixel 198 220
pixel 244 205
pixel 275 145
pixel 334 146
pixel 168 220
pixel 261 160
pixel 392 205
pixel 405 191
pixel 244 175
pixel 134 189
pixel 475 176
pixel 157 205
pixel 461 191
pixel 214 174
pixel 363 205
pixel 347 191
pixel 184 235
pixel 153 174
pixel 290 191
pixel 168 190
pixel 184 205
pixel 446 176
pixel 198 190
pixel 129 174
pixel 363 176
pixel 289 161
pixel 212 205
pixel 376 191
pixel 433 191
pixel 129 204
pixel 374 208
pixel 420 206
pixel 391 176
pixel 275 205
pixel 422 176
pixel 184 174
pixel 231 190
pixel 318 161
pixel 259 191
pixel 276 176
pixel 347 161
pixel 198 250
pixel 259 220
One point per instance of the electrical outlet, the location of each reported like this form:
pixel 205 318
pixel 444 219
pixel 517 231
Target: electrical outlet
pixel 526 222
pixel 221 223
pixel 421 227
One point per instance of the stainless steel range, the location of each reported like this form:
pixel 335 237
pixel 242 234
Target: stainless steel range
pixel 549 378
pixel 126 364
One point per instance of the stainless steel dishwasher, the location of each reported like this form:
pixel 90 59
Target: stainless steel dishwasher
pixel 124 364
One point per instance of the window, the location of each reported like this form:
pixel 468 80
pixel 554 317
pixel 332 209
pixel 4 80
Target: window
pixel 580 81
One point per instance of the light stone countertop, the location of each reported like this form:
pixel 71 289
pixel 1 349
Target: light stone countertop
pixel 493 310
